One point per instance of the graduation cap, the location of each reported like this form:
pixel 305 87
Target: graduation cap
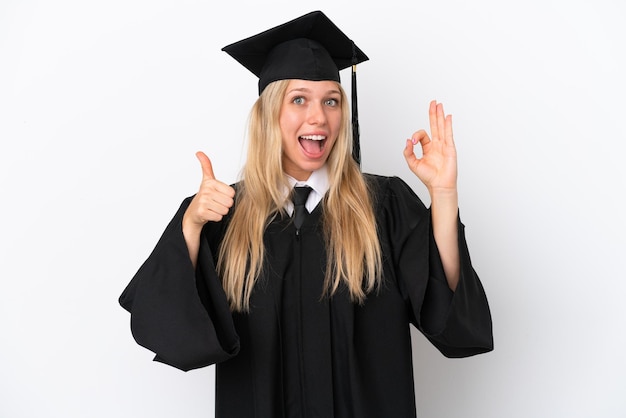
pixel 310 47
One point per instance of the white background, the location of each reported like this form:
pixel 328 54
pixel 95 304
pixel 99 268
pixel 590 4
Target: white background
pixel 104 103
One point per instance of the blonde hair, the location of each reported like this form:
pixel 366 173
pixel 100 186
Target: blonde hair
pixel 350 233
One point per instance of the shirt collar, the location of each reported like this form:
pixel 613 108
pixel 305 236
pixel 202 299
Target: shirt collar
pixel 318 181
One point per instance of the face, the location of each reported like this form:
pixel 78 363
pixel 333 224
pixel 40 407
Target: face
pixel 310 117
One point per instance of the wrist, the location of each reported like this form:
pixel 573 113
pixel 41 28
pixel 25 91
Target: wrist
pixel 443 193
pixel 444 202
pixel 189 226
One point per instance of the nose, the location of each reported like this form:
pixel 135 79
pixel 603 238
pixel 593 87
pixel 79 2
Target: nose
pixel 316 114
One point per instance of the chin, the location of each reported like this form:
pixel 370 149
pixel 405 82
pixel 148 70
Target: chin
pixel 313 166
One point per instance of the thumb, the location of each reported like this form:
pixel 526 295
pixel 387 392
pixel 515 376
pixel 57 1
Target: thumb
pixel 207 167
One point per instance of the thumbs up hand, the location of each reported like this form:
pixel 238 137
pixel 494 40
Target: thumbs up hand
pixel 213 200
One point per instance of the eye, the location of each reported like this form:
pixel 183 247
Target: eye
pixel 298 100
pixel 331 102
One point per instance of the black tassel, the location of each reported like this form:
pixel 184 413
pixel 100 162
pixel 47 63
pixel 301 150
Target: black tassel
pixel 356 145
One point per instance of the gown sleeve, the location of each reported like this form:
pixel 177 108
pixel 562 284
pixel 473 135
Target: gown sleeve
pixel 458 323
pixel 180 314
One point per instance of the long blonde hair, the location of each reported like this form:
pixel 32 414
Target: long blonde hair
pixel 350 233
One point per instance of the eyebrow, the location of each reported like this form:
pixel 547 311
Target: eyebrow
pixel 306 90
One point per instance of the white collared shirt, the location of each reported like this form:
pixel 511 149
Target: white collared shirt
pixel 318 181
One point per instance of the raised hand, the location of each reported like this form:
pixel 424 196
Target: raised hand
pixel 437 168
pixel 211 203
pixel 213 200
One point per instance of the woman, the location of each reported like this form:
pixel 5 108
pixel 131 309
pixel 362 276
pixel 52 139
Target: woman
pixel 311 317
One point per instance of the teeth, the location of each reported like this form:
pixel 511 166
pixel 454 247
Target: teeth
pixel 314 137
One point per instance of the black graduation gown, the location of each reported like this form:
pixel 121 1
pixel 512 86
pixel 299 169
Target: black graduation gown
pixel 297 354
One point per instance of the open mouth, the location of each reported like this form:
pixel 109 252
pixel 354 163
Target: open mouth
pixel 312 144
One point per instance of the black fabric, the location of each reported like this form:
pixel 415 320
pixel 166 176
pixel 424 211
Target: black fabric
pixel 299 197
pixel 296 353
pixel 310 47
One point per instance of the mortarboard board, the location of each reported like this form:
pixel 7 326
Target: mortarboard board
pixel 310 47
